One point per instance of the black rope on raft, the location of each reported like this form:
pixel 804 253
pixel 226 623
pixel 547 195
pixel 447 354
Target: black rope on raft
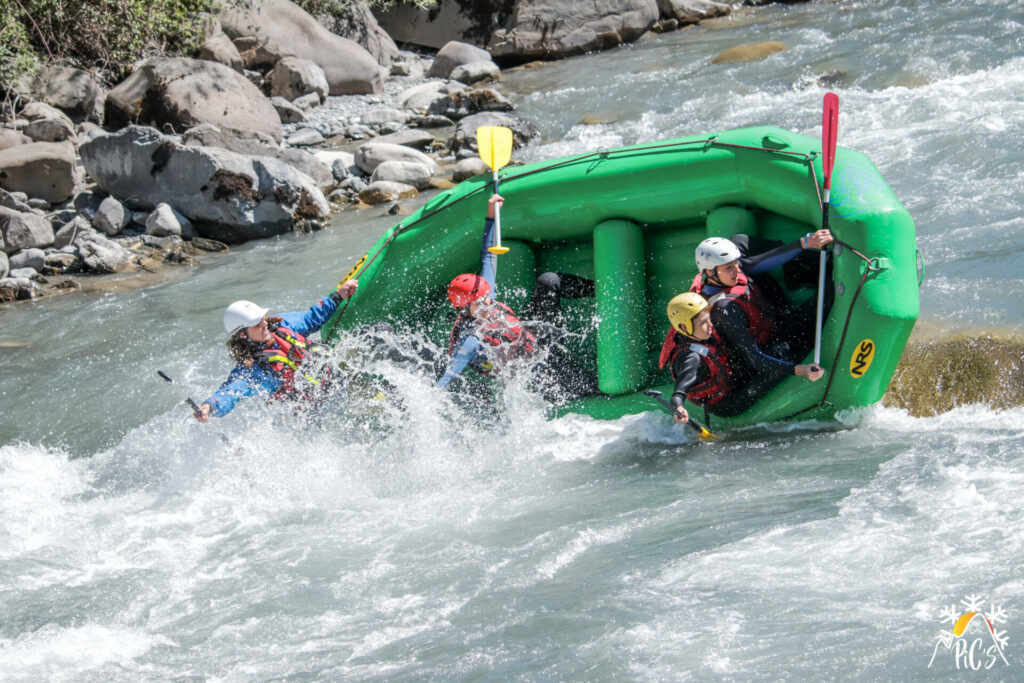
pixel 868 270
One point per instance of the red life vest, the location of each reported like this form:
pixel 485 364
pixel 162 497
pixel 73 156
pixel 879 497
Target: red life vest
pixel 284 354
pixel 712 352
pixel 746 294
pixel 503 331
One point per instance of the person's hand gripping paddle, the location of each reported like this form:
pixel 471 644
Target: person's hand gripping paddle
pixel 702 431
pixel 495 145
pixel 829 130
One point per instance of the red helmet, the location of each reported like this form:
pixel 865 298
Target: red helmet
pixel 467 288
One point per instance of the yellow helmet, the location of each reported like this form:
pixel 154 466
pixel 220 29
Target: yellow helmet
pixel 683 309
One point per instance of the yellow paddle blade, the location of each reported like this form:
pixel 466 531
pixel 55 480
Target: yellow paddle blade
pixel 495 144
pixel 498 250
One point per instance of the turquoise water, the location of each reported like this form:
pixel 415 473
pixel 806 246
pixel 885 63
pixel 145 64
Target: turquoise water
pixel 136 544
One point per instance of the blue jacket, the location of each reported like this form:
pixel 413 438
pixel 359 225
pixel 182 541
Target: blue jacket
pixel 469 350
pixel 245 381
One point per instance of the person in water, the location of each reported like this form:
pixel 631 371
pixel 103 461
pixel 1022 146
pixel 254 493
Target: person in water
pixel 270 353
pixel 488 336
pixel 700 365
pixel 763 333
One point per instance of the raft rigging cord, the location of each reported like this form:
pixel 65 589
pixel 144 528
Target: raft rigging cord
pixel 808 158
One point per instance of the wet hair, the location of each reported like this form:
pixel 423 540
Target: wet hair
pixel 245 351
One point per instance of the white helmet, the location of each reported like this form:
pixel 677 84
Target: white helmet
pixel 242 314
pixel 715 251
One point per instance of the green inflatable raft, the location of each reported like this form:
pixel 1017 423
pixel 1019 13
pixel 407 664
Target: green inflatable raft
pixel 630 218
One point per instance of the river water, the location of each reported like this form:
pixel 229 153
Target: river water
pixel 137 545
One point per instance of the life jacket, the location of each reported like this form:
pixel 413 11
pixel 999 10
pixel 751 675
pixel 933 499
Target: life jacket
pixel 746 294
pixel 712 352
pixel 506 333
pixel 285 355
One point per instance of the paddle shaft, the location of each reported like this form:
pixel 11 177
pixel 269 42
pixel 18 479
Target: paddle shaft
pixel 829 130
pixel 497 215
pixel 703 431
pixel 188 399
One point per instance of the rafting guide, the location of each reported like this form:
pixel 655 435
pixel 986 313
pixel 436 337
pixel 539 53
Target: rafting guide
pixel 975 640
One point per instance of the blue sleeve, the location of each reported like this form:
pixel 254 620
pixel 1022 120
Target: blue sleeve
pixel 466 350
pixel 488 261
pixel 762 263
pixel 242 383
pixel 313 319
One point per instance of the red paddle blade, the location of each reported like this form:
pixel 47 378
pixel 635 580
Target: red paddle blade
pixel 829 129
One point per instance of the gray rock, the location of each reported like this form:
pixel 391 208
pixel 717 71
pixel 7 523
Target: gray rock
pixel 38 204
pixel 541 29
pixel 28 258
pixel 386 191
pixel 8 200
pixel 409 137
pixel 181 93
pixel 86 204
pixel 431 121
pixel 5 264
pixel 287 111
pixel 379 115
pixel 12 138
pixel 164 221
pixel 219 48
pixel 70 232
pixel 358 131
pixel 307 101
pixel 101 255
pixel 59 262
pixel 469 167
pixel 51 130
pixel 465 132
pixel 73 91
pixel 260 54
pixel 370 155
pixel 339 169
pixel 111 217
pixel 440 22
pixel 411 68
pixel 357 23
pixel 305 137
pixel 353 184
pixel 476 72
pixel 455 54
pixel 462 104
pixel 692 11
pixel 24 230
pixel 228 196
pixel 253 144
pixel 25 272
pixel 404 172
pixel 293 77
pixel 348 67
pixel 428 96
pixel 40 169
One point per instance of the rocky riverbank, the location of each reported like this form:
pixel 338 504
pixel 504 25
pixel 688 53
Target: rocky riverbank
pixel 279 122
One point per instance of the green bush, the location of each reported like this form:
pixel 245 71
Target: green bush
pixel 104 35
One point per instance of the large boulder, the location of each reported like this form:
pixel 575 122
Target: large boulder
pixel 406 172
pixel 181 93
pixel 465 132
pixel 229 197
pixel 453 55
pixel 24 230
pixel 40 169
pixel 541 29
pixel 357 23
pixel 293 77
pixel 428 97
pixel 255 145
pixel 692 11
pixel 73 91
pixel 444 21
pixel 349 68
pixel 372 154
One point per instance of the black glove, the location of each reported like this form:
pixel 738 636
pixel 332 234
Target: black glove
pixel 336 297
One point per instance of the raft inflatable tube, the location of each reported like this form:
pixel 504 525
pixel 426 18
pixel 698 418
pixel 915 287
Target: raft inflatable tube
pixel 630 218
